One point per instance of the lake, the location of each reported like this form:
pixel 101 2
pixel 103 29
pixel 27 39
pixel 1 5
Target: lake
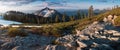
pixel 7 22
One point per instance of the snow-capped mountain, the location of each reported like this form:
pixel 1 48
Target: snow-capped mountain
pixel 47 12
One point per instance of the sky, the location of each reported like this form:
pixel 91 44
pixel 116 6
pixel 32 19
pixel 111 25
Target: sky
pixel 29 5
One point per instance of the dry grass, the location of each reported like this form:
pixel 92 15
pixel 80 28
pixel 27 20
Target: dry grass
pixel 12 32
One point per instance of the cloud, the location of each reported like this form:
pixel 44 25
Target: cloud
pixel 53 4
pixel 23 2
pixel 16 2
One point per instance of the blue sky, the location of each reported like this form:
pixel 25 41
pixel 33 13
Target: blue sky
pixel 27 5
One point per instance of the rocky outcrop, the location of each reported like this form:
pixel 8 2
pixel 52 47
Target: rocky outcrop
pixel 21 48
pixel 30 42
pixel 97 36
pixel 110 18
pixel 55 47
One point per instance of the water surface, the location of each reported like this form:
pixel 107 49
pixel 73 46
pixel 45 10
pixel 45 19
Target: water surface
pixel 7 22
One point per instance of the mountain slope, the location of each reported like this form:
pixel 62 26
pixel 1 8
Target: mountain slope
pixel 80 24
pixel 70 27
pixel 94 37
pixel 92 34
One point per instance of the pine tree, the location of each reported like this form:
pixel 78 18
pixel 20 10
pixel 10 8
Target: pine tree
pixel 84 15
pixel 117 6
pixel 72 18
pixel 78 14
pixel 51 20
pixel 64 17
pixel 90 11
pixel 41 20
pixel 47 20
pixel 38 20
pixel 57 19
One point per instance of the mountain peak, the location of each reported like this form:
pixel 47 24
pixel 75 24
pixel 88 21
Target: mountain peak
pixel 47 8
pixel 46 12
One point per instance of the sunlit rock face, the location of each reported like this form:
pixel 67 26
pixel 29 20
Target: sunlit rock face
pixel 47 12
pixel 110 18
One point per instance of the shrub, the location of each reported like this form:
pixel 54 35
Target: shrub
pixel 36 31
pixel 55 43
pixel 117 21
pixel 46 31
pixel 12 32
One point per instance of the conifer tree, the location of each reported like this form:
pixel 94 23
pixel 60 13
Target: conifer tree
pixel 38 20
pixel 64 17
pixel 117 6
pixel 51 20
pixel 47 20
pixel 72 18
pixel 90 11
pixel 84 15
pixel 78 14
pixel 57 19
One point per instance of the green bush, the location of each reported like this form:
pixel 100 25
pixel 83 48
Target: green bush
pixel 12 32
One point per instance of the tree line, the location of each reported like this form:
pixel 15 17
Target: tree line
pixel 31 18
